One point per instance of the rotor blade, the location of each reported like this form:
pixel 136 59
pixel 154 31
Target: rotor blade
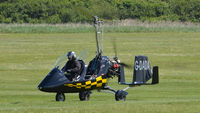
pixel 87 13
pixel 83 11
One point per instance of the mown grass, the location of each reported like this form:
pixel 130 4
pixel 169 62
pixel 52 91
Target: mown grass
pixel 25 60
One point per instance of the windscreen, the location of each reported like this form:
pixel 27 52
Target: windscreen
pixel 83 56
pixel 61 61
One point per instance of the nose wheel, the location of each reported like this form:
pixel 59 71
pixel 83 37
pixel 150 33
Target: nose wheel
pixel 84 95
pixel 120 95
pixel 60 97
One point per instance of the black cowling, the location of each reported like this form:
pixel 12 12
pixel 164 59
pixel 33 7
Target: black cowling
pixel 53 79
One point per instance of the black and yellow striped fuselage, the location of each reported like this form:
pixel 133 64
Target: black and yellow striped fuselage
pixel 96 83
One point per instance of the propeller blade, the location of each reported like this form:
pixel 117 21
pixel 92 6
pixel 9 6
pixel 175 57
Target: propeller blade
pixel 114 46
pixel 126 65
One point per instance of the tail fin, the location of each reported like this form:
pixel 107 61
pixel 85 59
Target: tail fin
pixel 155 77
pixel 142 70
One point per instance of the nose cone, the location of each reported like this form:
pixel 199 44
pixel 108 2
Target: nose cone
pixel 53 79
pixel 41 86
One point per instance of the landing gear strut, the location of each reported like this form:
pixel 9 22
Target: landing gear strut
pixel 120 95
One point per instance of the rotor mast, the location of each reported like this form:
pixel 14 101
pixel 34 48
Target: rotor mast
pixel 99 34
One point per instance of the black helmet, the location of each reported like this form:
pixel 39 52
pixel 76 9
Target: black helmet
pixel 71 55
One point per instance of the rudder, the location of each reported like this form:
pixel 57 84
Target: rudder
pixel 142 70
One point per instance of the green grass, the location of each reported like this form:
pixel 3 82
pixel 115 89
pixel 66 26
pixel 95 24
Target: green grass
pixel 25 60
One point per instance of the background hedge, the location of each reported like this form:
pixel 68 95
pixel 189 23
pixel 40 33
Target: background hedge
pixel 64 11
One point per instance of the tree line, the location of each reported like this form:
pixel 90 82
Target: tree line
pixel 64 11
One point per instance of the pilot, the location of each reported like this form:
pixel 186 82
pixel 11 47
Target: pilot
pixel 72 68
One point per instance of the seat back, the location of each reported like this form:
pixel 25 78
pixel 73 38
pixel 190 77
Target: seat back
pixel 83 69
pixel 82 65
pixel 94 66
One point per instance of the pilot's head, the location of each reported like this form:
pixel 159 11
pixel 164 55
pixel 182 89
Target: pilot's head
pixel 71 55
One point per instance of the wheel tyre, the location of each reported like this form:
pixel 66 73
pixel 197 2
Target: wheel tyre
pixel 60 97
pixel 84 96
pixel 120 95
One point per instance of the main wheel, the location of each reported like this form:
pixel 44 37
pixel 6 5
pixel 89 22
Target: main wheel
pixel 60 97
pixel 120 95
pixel 84 95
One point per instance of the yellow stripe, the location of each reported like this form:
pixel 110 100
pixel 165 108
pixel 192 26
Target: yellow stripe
pixel 98 78
pixel 87 87
pixel 104 80
pixel 83 85
pixel 99 85
pixel 78 85
pixel 88 82
pixel 94 83
pixel 69 85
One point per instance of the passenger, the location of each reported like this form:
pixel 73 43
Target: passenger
pixel 72 68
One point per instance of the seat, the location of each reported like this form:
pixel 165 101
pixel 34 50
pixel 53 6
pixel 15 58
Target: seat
pixel 83 70
pixel 93 68
pixel 82 65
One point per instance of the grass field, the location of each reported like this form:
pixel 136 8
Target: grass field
pixel 25 59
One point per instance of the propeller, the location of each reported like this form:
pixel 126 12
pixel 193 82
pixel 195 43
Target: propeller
pixel 126 65
pixel 116 57
pixel 115 47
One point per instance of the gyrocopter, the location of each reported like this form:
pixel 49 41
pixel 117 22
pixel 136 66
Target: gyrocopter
pixel 95 75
